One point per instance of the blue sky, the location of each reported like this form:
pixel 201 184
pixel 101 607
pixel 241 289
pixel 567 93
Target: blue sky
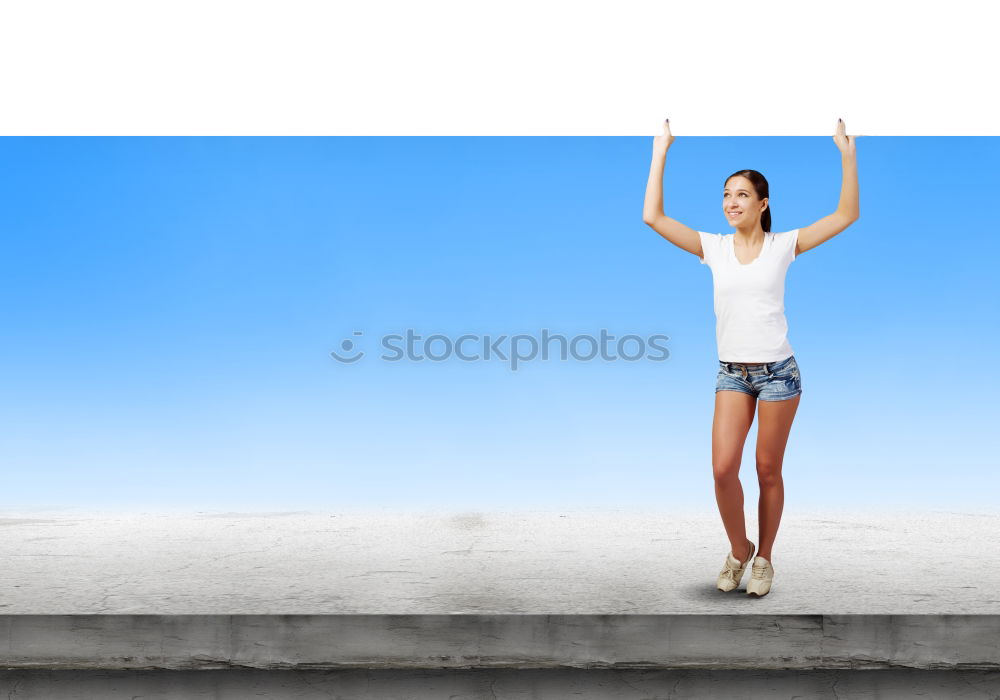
pixel 170 305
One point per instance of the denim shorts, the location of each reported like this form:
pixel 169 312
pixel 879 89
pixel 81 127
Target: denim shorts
pixel 771 381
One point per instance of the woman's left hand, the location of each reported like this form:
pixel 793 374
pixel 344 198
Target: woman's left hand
pixel 844 142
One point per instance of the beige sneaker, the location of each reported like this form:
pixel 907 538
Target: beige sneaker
pixel 760 577
pixel 732 571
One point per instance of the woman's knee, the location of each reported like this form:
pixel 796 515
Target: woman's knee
pixel 768 473
pixel 726 472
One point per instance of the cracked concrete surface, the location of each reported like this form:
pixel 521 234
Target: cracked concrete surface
pixel 558 562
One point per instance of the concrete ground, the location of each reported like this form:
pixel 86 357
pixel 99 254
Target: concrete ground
pixel 582 604
pixel 566 562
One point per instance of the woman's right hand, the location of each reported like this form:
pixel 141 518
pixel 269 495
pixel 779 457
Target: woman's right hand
pixel 662 142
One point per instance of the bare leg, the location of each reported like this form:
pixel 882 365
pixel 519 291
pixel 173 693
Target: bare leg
pixel 773 425
pixel 733 416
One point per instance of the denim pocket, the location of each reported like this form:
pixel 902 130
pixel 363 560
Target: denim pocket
pixel 790 380
pixel 789 371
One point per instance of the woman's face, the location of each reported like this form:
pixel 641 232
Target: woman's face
pixel 739 201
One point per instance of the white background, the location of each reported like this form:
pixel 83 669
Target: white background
pixel 469 68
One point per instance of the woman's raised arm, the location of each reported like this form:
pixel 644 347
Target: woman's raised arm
pixel 682 236
pixel 848 208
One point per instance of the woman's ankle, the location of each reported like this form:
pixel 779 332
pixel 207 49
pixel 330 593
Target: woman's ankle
pixel 745 552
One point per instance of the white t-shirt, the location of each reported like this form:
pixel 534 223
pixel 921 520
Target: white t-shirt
pixel 750 299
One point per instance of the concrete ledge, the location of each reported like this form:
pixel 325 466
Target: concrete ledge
pixel 506 605
pixel 307 642
pixel 502 684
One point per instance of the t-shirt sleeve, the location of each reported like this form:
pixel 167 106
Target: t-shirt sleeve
pixel 709 242
pixel 791 240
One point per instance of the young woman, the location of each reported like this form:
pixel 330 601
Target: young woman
pixel 757 370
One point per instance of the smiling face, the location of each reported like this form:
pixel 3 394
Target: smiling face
pixel 740 203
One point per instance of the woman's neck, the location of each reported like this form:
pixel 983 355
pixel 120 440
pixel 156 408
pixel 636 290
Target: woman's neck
pixel 751 238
